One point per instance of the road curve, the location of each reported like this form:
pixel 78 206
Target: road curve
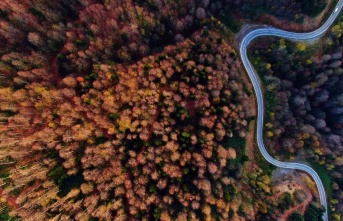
pixel 270 31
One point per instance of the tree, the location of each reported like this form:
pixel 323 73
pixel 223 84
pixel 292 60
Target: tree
pixel 313 213
pixel 295 217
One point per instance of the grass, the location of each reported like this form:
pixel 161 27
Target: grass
pixel 326 180
pixel 269 96
pixel 270 103
pixel 262 163
pixel 324 176
pixel 236 142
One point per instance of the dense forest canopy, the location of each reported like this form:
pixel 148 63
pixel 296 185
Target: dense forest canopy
pixel 304 96
pixel 134 110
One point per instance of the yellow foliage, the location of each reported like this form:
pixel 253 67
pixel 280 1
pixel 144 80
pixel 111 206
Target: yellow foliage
pixel 269 134
pixel 313 84
pixel 3 199
pixel 310 183
pixel 282 44
pixel 263 208
pixel 316 143
pixel 269 125
pixel 268 66
pixel 318 151
pixel 104 153
pixel 78 126
pixel 90 141
pixel 331 167
pixel 45 202
pixel 6 93
pixel 124 123
pixel 270 87
pixel 328 41
pixel 147 93
pixel 108 75
pixel 265 179
pixel 72 193
pixel 221 204
pixel 336 217
pixel 89 126
pixel 121 73
pixel 39 90
pixel 174 85
pixel 263 186
pixel 206 209
pixel 132 84
pixel 111 130
pixel 47 96
pixel 300 144
pixel 334 201
pixel 52 125
pixel 216 100
pixel 107 93
pixel 339 161
pixel 300 46
pixel 144 123
pixel 337 30
pixel 39 106
pixel 306 135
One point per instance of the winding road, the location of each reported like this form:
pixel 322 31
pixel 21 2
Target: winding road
pixel 270 31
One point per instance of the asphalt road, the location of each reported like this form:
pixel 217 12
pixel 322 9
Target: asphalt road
pixel 270 31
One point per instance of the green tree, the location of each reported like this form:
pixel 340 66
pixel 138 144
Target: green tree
pixel 295 217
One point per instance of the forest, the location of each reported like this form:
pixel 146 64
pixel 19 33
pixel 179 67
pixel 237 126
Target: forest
pixel 304 98
pixel 133 110
pixel 170 121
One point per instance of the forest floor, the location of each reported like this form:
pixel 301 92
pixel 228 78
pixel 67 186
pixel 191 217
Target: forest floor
pixel 250 146
pixel 290 181
pixel 251 131
pixel 299 207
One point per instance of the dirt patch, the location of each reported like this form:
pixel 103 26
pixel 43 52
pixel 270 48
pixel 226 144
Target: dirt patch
pixel 300 207
pixel 251 131
pixel 291 181
pixel 250 166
